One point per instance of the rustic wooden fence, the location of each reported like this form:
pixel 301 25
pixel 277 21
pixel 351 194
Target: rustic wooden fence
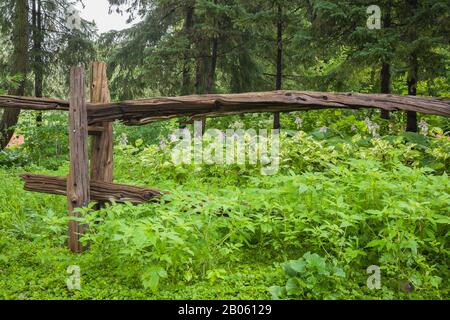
pixel 91 178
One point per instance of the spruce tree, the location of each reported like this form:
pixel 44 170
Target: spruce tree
pixel 19 65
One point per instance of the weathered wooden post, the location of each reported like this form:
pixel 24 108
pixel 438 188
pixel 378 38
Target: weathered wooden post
pixel 102 163
pixel 78 184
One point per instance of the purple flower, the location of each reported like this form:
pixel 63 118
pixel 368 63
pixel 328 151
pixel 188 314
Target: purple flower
pixel 162 145
pixel 298 121
pixel 323 130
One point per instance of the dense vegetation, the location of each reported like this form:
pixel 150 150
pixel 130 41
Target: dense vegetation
pixel 354 189
pixel 349 199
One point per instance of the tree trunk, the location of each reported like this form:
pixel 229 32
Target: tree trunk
pixel 385 84
pixel 10 117
pixel 202 74
pixel 188 24
pixel 211 75
pixel 37 54
pixel 385 75
pixel 206 67
pixel 411 117
pixel 411 124
pixel 186 87
pixel 212 69
pixel 279 63
pixel 210 80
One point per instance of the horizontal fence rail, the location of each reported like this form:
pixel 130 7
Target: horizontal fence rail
pixel 139 112
pixel 31 103
pixel 99 190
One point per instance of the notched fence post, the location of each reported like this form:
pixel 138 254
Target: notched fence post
pixel 102 163
pixel 78 184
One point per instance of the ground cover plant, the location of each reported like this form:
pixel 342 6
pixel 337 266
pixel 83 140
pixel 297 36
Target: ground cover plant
pixel 341 202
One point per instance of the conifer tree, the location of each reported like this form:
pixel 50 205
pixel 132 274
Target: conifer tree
pixel 41 26
pixel 19 65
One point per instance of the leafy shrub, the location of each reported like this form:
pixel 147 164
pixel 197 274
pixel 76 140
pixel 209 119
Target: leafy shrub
pixel 311 277
pixel 222 231
pixel 13 157
pixel 345 197
pixel 45 145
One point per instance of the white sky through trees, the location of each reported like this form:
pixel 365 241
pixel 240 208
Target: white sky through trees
pixel 98 10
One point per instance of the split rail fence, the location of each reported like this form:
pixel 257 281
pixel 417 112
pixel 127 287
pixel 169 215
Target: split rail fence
pixel 91 177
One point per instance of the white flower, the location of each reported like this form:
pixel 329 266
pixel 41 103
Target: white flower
pixel 123 140
pixel 298 121
pixel 323 130
pixel 423 126
pixel 372 127
pixel 354 127
pixel 173 137
pixel 237 125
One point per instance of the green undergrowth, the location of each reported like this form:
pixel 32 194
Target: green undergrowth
pixel 336 206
